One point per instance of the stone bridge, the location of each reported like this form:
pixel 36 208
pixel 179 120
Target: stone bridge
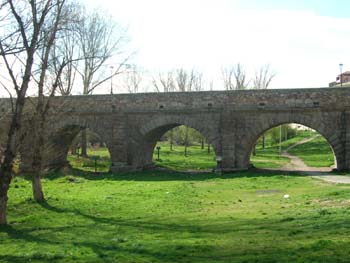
pixel 232 121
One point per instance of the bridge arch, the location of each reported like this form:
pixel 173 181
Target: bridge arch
pixel 62 134
pixel 149 134
pixel 322 125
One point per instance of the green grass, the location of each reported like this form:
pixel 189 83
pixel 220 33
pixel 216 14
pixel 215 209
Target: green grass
pixel 197 158
pixel 175 217
pixel 316 153
pixel 268 158
pixel 88 163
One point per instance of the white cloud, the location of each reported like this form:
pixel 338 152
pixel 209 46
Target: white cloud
pixel 303 48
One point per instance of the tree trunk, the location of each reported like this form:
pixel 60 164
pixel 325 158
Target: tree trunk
pixel 5 184
pixel 83 143
pixel 38 150
pixel 3 206
pixel 208 148
pixel 202 143
pixel 73 149
pixel 5 178
pixel 263 141
pixel 171 139
pixel 9 156
pixel 38 193
pixel 254 150
pixel 186 140
pixel 286 132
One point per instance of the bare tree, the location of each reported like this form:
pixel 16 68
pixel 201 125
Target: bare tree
pixel 227 77
pixel 47 85
pixel 198 86
pixel 234 77
pixel 263 77
pixel 240 77
pixel 185 79
pixel 98 41
pixel 262 80
pixel 24 22
pixel 198 81
pixel 133 79
pixel 164 82
pixel 65 52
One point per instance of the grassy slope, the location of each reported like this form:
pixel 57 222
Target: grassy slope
pixel 88 164
pixel 162 217
pixel 197 159
pixel 316 153
pixel 269 157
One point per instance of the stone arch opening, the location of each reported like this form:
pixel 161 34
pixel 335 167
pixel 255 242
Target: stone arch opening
pixel 175 152
pixel 294 146
pixel 65 149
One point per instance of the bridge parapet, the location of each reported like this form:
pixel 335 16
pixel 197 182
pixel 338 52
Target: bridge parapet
pixel 232 120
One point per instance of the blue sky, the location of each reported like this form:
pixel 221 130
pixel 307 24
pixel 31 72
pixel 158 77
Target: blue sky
pixel 302 41
pixel 334 8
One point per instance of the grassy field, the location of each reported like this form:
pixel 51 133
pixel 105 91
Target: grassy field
pixel 88 164
pixel 158 216
pixel 176 217
pixel 269 157
pixel 197 158
pixel 316 153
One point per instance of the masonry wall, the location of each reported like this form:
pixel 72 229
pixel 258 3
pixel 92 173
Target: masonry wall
pixel 232 121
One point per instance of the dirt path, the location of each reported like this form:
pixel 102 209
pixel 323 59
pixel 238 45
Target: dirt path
pixel 305 140
pixel 323 173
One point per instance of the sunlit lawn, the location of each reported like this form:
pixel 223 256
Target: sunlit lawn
pixel 316 153
pixel 196 159
pixel 164 216
pixel 103 161
pixel 175 217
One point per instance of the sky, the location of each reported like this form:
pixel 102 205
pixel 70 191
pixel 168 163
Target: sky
pixel 303 41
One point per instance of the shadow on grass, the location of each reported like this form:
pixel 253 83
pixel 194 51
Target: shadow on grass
pixel 23 235
pixel 179 251
pixel 171 175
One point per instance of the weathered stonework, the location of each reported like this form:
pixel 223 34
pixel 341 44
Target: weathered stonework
pixel 232 121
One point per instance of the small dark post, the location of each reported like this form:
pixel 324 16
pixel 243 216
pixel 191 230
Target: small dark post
pixel 171 139
pixel 78 150
pixel 95 158
pixel 219 165
pixel 158 150
pixel 341 73
pixel 263 141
